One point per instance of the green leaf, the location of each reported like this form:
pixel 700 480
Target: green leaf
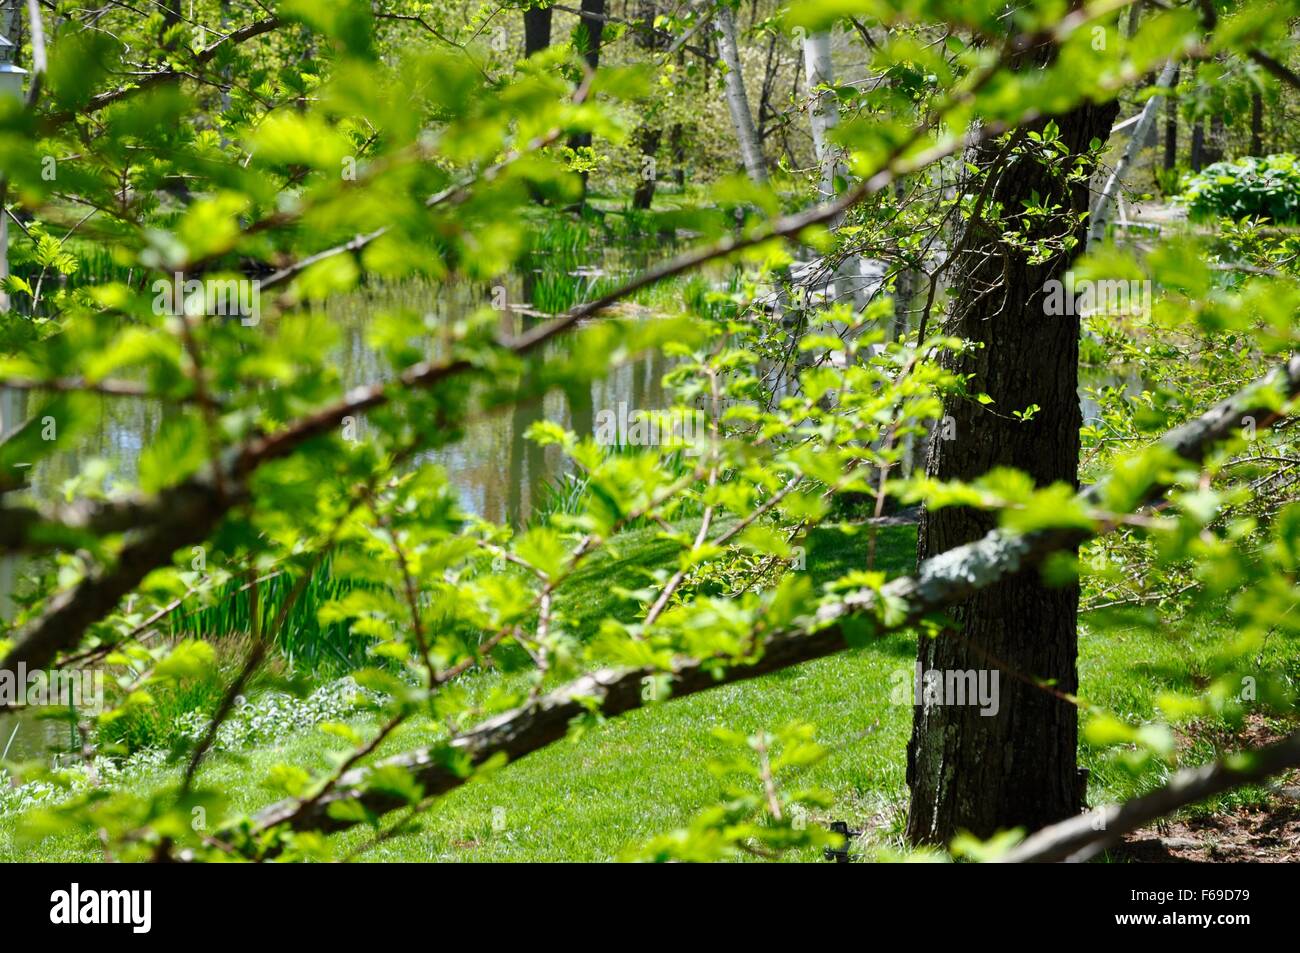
pixel 189 659
pixel 176 452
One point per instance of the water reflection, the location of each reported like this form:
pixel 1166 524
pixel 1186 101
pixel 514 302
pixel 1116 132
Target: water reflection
pixel 499 474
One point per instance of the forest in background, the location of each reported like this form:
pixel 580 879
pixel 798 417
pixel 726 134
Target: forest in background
pixel 840 429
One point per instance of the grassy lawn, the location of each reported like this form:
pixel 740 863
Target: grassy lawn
pixel 646 772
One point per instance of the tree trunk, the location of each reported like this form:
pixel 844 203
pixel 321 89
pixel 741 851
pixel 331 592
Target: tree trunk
pixel 227 75
pixel 823 108
pixel 737 99
pixel 968 771
pixel 594 24
pixel 537 30
pixel 537 37
pixel 11 22
pixel 1256 124
pixel 648 133
pixel 1214 147
pixel 1101 211
pixel 648 139
pixel 677 144
pixel 1171 127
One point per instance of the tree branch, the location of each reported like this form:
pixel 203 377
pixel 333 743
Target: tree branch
pixel 70 613
pixel 1279 70
pixel 940 582
pixel 186 515
pixel 1087 835
pixel 150 80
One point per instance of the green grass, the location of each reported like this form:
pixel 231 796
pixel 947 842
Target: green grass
pixel 646 772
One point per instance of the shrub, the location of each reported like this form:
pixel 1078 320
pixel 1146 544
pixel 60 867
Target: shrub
pixel 1170 181
pixel 161 721
pixel 1252 187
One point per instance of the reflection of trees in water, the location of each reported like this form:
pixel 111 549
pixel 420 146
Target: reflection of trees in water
pixel 525 456
pixel 582 411
pixel 530 467
pixel 498 472
pixel 13 412
pixel 120 428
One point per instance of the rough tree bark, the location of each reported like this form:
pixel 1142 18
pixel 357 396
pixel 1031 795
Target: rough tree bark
pixel 1016 768
pixel 537 30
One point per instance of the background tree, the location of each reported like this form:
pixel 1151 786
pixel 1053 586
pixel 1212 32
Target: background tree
pixel 537 29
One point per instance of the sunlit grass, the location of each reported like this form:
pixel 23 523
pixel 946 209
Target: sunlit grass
pixel 647 772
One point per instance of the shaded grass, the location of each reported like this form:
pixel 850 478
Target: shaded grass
pixel 1124 671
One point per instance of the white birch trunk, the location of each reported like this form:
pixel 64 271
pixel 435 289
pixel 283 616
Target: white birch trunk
pixel 737 100
pixel 1140 131
pixel 823 108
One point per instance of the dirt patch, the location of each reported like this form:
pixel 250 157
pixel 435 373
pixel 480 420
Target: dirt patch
pixel 1267 835
pixel 1256 732
pixel 1251 836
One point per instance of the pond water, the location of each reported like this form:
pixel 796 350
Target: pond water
pixel 499 474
